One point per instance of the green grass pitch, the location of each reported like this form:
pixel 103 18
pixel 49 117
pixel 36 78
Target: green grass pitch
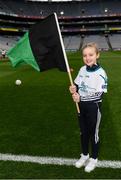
pixel 39 118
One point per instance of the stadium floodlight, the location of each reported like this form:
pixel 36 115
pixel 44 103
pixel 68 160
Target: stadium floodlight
pixel 62 13
pixel 106 10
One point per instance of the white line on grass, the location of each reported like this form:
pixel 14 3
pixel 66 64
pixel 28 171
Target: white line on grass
pixel 55 160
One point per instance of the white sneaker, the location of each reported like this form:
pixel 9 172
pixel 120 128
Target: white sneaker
pixel 91 165
pixel 82 161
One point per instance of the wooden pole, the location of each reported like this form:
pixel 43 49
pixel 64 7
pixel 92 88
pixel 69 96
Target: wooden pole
pixel 65 57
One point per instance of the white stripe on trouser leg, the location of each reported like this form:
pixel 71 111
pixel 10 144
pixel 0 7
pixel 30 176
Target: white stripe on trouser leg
pixel 97 125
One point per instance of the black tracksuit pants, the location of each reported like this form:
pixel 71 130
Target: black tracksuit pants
pixel 89 120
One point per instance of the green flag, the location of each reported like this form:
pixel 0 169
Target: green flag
pixel 40 47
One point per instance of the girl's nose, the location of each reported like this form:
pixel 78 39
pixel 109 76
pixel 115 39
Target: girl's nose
pixel 87 58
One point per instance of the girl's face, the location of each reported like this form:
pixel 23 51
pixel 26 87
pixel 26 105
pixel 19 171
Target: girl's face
pixel 90 56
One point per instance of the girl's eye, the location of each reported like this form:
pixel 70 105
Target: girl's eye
pixel 90 54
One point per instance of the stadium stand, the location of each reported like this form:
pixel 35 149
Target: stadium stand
pixel 80 22
pixel 7 42
pixel 4 7
pixel 115 40
pixel 99 39
pixel 74 8
pixel 71 42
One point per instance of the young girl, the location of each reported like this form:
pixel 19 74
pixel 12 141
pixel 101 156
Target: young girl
pixel 90 84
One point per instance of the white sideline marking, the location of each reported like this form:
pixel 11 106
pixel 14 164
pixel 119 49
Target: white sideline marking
pixel 55 160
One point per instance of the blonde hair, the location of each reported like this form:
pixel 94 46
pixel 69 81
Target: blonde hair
pixel 91 44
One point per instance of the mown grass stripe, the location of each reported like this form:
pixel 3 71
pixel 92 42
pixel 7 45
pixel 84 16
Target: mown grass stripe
pixel 3 74
pixel 55 160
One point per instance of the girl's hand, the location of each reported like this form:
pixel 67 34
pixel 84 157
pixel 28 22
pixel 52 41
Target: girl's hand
pixel 72 89
pixel 76 97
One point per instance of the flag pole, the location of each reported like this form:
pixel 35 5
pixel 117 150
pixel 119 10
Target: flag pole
pixel 65 57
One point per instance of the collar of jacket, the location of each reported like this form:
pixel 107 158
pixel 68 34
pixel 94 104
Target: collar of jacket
pixel 95 67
